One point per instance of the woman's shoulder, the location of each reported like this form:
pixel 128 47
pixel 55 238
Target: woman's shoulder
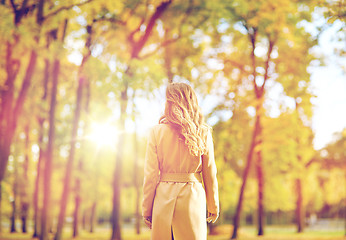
pixel 160 127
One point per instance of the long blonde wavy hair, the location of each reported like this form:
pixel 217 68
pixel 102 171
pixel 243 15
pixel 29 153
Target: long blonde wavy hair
pixel 183 113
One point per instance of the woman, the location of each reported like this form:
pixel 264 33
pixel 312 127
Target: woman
pixel 180 149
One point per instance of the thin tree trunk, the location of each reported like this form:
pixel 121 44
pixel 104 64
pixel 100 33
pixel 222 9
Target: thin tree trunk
pixel 10 112
pixel 84 219
pixel 7 95
pixel 41 121
pixel 299 206
pixel 136 183
pixel 69 165
pixel 260 179
pixel 116 228
pixel 36 193
pixel 24 196
pixel 93 217
pixel 77 204
pixel 236 219
pixel 0 208
pixel 49 158
pixel 299 188
pixel 13 216
pixel 257 136
pixel 86 127
pixel 14 200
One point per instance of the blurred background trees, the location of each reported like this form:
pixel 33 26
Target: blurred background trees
pixel 79 78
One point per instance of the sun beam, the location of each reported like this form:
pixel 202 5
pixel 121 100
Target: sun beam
pixel 103 134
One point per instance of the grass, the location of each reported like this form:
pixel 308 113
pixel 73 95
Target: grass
pixel 223 233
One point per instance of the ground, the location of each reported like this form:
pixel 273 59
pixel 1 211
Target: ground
pixel 246 233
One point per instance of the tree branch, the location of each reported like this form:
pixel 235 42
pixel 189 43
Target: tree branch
pixel 139 45
pixel 240 66
pixel 270 49
pixel 65 8
pixel 111 20
pixel 130 37
pixel 252 33
pixel 163 44
pixel 13 6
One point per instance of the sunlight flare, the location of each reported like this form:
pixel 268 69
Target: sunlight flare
pixel 103 134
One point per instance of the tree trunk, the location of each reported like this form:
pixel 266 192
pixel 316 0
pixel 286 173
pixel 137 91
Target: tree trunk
pixel 236 219
pixel 24 195
pixel 78 200
pixel 0 208
pixel 7 92
pixel 81 160
pixel 137 186
pixel 10 113
pixel 41 121
pixel 136 49
pixel 84 219
pixel 93 217
pixel 116 229
pixel 260 178
pixel 69 166
pixel 49 158
pixel 76 211
pixel 15 193
pixel 299 188
pixel 13 216
pixel 299 209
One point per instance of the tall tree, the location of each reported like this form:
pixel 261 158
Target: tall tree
pixel 261 24
pixel 136 44
pixel 41 119
pixel 51 137
pixel 77 112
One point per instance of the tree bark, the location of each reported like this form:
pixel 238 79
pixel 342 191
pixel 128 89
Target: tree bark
pixel 0 208
pixel 93 217
pixel 116 228
pixel 41 120
pixel 86 127
pixel 260 179
pixel 299 206
pixel 49 158
pixel 9 114
pixel 14 200
pixel 69 166
pixel 257 135
pixel 24 195
pixel 13 216
pixel 236 219
pixel 77 205
pixel 298 182
pixel 7 98
pixel 136 184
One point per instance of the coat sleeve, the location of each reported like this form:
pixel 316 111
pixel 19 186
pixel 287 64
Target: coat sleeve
pixel 209 177
pixel 151 175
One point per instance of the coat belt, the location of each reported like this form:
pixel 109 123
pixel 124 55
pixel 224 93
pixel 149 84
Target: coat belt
pixel 180 177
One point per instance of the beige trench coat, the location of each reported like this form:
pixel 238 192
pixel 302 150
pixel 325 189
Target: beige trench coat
pixel 174 205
